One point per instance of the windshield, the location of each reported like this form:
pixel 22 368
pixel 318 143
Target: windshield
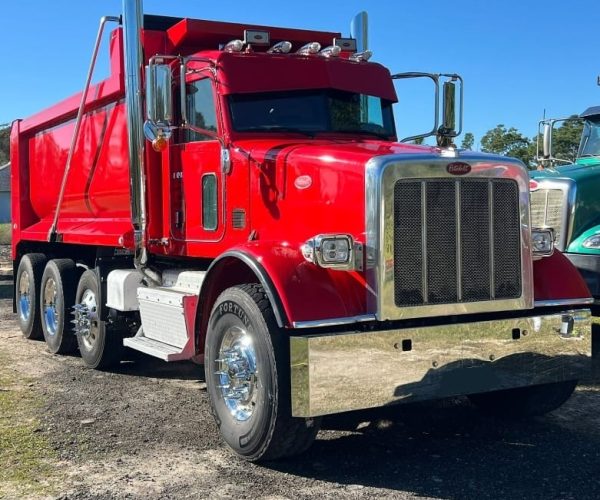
pixel 312 111
pixel 590 139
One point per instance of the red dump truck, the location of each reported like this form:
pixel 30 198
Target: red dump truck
pixel 237 195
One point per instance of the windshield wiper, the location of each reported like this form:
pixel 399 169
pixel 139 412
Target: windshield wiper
pixel 278 128
pixel 380 135
pixel 589 155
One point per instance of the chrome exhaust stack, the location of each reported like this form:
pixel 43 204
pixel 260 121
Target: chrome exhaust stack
pixel 132 47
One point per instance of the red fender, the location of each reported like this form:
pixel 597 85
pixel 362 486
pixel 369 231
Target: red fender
pixel 306 292
pixel 556 278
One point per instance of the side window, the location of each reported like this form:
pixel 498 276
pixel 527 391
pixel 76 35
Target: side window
pixel 200 108
pixel 209 202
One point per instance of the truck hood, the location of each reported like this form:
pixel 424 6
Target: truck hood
pixel 577 172
pixel 325 151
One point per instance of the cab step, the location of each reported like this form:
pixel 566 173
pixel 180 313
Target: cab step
pixel 155 348
pixel 168 319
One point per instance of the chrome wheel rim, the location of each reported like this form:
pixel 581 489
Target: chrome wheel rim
pixel 86 319
pixel 24 296
pixel 50 312
pixel 237 373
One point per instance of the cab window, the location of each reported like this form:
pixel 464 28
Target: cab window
pixel 200 109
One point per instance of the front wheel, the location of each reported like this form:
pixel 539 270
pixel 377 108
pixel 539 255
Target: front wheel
pixel 525 401
pixel 248 378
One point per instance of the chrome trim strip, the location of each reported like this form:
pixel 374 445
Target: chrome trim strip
pixel 333 373
pixel 334 321
pixel 491 240
pixel 564 302
pixel 424 270
pixel 382 172
pixel 458 219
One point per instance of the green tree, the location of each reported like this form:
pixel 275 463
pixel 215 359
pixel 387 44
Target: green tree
pixel 565 140
pixel 468 141
pixel 507 142
pixel 4 145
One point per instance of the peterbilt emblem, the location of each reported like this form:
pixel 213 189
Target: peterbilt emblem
pixel 533 185
pixel 458 168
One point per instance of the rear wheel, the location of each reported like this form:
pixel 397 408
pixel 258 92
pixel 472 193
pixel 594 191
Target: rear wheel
pixel 57 296
pixel 27 284
pixel 100 344
pixel 525 401
pixel 247 376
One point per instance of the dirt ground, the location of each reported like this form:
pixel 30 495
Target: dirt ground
pixel 145 431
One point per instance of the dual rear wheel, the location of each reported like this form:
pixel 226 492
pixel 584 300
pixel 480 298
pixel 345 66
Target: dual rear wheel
pixel 58 303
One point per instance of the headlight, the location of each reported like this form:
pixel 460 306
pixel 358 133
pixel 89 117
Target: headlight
pixel 336 251
pixel 592 242
pixel 542 241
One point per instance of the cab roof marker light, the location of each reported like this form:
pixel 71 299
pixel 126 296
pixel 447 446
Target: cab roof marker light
pixel 234 46
pixel 280 48
pixel 361 56
pixel 331 51
pixel 309 48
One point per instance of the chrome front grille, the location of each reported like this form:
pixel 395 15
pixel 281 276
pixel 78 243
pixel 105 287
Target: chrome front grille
pixel 456 241
pixel 548 210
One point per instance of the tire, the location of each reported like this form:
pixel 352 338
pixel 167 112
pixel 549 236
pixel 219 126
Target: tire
pixel 524 401
pixel 57 296
pixel 100 344
pixel 27 285
pixel 243 338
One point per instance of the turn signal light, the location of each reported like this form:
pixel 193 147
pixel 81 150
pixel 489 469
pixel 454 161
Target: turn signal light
pixel 160 144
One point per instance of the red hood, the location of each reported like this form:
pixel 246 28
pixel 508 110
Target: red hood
pixel 326 150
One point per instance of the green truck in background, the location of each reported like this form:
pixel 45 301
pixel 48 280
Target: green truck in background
pixel 566 197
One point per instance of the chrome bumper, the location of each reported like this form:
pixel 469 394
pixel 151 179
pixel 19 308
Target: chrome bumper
pixel 342 372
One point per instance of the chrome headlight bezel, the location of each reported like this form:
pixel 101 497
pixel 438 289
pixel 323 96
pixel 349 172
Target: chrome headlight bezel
pixel 314 250
pixel 542 242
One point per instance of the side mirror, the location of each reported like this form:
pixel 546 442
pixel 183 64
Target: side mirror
pixel 449 111
pixel 159 96
pixel 547 141
pixel 159 105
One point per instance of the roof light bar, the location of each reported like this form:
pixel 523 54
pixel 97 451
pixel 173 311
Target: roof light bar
pixel 234 46
pixel 309 48
pixel 361 56
pixel 280 48
pixel 331 51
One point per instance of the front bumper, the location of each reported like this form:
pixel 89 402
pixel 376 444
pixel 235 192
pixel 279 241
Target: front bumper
pixel 589 267
pixel 334 373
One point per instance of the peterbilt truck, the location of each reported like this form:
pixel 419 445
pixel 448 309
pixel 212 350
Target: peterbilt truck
pixel 564 195
pixel 237 195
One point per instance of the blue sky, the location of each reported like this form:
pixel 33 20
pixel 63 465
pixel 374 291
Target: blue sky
pixel 517 57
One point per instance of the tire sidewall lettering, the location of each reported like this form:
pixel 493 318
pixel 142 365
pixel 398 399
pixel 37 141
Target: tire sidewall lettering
pixel 230 307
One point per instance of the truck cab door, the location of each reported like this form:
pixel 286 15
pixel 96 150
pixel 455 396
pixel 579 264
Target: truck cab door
pixel 197 183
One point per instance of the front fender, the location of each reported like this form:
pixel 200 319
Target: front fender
pixel 576 245
pixel 304 291
pixel 556 278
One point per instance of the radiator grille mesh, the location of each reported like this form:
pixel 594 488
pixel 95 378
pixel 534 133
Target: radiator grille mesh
pixel 456 241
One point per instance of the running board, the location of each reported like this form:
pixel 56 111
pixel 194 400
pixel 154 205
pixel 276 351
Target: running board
pixel 155 348
pixel 168 324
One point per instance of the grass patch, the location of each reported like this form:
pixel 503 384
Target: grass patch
pixel 25 452
pixel 5 234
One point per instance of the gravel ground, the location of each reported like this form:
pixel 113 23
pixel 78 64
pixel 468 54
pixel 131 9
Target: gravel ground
pixel 145 431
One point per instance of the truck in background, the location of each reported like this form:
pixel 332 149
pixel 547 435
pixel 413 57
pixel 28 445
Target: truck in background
pixel 564 196
pixel 265 220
